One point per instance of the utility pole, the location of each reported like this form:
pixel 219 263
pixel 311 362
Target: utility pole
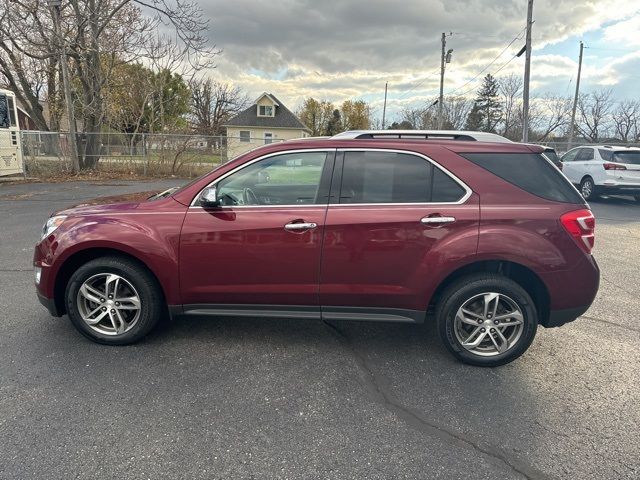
pixel 441 96
pixel 572 126
pixel 73 139
pixel 384 109
pixel 444 59
pixel 527 75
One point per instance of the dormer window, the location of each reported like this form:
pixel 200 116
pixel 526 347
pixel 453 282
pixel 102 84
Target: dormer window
pixel 265 110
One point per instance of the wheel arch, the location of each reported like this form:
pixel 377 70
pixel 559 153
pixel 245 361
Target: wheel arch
pixel 79 258
pixel 585 176
pixel 517 272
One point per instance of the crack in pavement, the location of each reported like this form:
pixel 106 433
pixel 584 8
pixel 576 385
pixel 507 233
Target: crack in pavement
pixel 383 396
pixel 617 286
pixel 609 322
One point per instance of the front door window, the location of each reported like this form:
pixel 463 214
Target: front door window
pixel 287 179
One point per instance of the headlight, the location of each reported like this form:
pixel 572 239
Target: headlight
pixel 51 225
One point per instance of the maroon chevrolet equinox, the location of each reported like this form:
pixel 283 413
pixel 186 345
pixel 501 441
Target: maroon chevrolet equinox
pixel 482 235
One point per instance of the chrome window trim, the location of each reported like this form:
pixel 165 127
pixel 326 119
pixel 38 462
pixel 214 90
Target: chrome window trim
pixel 435 164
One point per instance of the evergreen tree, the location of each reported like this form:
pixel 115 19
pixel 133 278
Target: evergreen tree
pixel 334 125
pixel 488 103
pixel 474 119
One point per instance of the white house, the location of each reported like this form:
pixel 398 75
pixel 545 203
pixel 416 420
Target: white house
pixel 266 121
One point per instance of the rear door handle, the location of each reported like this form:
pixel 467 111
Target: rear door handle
pixel 437 220
pixel 300 227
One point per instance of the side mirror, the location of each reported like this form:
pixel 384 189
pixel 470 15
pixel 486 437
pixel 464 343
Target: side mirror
pixel 209 198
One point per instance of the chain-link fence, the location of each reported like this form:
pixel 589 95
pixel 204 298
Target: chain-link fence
pixel 146 154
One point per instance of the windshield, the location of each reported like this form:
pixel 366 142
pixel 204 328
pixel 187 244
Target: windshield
pixel 632 157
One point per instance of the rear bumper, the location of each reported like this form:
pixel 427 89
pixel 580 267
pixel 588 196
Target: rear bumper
pixel 49 304
pixel 557 318
pixel 572 292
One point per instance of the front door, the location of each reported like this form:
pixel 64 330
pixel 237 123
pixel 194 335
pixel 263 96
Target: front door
pixel 394 223
pixel 262 246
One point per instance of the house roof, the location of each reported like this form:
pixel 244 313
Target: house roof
pixel 283 117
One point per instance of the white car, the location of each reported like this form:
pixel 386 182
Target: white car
pixel 603 170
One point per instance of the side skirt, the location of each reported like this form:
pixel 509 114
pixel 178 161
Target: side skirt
pixel 301 312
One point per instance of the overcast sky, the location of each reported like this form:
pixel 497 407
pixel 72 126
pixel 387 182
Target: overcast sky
pixel 348 49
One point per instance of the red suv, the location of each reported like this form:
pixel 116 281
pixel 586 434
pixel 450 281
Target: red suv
pixel 488 236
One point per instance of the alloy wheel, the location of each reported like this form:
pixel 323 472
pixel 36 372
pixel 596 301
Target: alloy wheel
pixel 489 324
pixel 109 304
pixel 586 189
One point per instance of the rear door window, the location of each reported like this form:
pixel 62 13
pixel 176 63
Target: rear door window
pixel 390 177
pixel 530 172
pixel 585 154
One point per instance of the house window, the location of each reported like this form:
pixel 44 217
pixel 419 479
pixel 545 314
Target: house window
pixel 245 136
pixel 268 138
pixel 265 110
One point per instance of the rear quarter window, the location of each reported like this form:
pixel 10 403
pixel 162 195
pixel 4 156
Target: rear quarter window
pixel 529 171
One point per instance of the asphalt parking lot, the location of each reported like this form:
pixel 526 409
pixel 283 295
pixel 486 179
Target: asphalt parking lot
pixel 230 398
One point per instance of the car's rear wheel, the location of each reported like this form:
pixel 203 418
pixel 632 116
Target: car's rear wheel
pixel 588 189
pixel 113 300
pixel 486 319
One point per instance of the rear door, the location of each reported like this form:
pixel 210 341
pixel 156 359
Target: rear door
pixel 585 162
pixel 390 218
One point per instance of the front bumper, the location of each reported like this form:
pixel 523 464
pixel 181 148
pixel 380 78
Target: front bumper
pixel 49 304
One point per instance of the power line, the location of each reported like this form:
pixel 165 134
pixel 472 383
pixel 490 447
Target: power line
pixel 493 74
pixel 418 84
pixel 517 37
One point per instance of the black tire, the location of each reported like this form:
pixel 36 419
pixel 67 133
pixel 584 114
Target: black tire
pixel 152 305
pixel 466 288
pixel 588 189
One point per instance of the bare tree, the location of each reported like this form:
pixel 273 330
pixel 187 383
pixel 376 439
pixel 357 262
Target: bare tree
pixel 595 111
pixel 213 103
pixel 510 89
pixel 420 118
pixel 625 119
pixel 548 114
pixel 98 35
pixel 456 111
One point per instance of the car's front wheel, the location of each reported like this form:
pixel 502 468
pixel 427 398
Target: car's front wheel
pixel 486 319
pixel 113 300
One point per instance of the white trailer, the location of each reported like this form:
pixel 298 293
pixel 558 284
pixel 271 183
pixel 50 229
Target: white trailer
pixel 10 148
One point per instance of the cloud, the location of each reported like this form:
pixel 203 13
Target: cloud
pixel 339 49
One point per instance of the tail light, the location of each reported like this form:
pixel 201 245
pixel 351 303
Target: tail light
pixel 580 224
pixel 613 166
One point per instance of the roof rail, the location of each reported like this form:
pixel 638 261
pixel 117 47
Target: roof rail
pixel 424 135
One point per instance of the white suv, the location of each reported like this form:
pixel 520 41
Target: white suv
pixel 603 169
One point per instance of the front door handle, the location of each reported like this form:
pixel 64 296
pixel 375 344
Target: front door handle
pixel 300 227
pixel 437 220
